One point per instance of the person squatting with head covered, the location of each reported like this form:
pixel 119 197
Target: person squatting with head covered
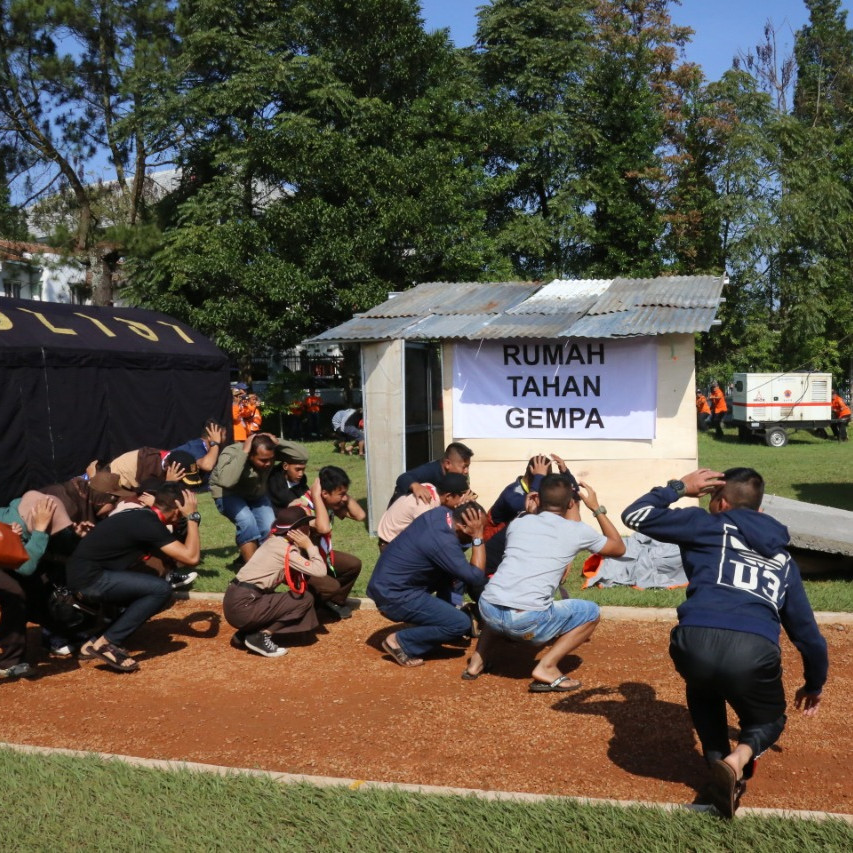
pixel 518 601
pixel 254 606
pixel 238 486
pixel 424 559
pixel 742 586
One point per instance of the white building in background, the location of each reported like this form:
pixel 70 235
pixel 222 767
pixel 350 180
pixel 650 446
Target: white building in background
pixel 34 271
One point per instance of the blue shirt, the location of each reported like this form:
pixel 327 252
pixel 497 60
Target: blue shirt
pixel 423 558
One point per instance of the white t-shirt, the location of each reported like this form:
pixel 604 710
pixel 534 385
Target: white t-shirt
pixel 538 549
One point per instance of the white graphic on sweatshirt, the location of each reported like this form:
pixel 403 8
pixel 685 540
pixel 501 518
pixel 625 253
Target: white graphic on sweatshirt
pixel 746 570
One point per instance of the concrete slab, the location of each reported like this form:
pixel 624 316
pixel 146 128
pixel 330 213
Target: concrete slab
pixel 813 527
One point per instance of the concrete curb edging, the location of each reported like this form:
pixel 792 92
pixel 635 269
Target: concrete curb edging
pixel 436 790
pixel 625 614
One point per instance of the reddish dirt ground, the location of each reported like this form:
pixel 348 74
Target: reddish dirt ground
pixel 337 706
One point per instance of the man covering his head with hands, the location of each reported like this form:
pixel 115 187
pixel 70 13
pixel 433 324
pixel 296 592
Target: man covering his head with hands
pixel 743 585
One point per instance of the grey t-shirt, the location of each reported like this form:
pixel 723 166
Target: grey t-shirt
pixel 538 549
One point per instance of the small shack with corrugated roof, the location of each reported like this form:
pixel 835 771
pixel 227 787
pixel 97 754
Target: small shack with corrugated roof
pixel 599 372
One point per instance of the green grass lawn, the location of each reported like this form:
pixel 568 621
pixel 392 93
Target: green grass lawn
pixel 806 469
pixel 65 803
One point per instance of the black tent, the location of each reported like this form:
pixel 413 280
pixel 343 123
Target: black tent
pixel 79 383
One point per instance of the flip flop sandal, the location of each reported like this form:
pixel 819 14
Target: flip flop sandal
pixel 473 676
pixel 724 788
pixel 556 686
pixel 113 656
pixel 400 656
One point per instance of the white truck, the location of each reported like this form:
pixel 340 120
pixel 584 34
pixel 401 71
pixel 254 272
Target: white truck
pixel 771 405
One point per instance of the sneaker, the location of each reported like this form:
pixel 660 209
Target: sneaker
pixel 57 646
pixel 262 644
pixel 181 580
pixel 238 640
pixel 342 611
pixel 18 670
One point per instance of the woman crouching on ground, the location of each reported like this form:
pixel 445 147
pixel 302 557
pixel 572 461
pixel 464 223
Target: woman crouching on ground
pixel 251 603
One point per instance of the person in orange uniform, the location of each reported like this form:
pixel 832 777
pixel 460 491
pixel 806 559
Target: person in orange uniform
pixel 703 412
pixel 312 404
pixel 251 413
pixel 840 416
pixel 238 396
pixel 718 408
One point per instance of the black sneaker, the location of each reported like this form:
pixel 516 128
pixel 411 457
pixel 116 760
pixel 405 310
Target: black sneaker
pixel 18 670
pixel 342 611
pixel 181 580
pixel 262 644
pixel 238 640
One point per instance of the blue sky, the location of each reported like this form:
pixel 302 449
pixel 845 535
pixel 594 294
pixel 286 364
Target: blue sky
pixel 722 27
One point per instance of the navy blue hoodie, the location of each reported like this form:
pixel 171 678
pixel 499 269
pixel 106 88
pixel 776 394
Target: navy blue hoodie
pixel 740 576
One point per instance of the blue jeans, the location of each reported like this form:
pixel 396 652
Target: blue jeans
pixel 140 594
pixel 539 626
pixel 253 517
pixel 436 622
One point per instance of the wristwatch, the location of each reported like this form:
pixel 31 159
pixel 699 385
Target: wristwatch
pixel 476 541
pixel 679 487
pixel 194 516
pixel 602 510
pixel 213 444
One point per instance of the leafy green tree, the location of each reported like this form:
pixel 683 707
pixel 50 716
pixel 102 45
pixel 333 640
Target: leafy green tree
pixel 13 224
pixel 73 79
pixel 630 93
pixel 330 155
pixel 532 56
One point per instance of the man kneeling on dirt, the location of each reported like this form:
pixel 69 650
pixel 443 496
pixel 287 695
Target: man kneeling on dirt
pixel 742 584
pixel 98 568
pixel 518 601
pixel 425 558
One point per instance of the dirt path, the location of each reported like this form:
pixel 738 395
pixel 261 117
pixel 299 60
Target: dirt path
pixel 336 706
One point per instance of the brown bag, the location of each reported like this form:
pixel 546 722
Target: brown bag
pixel 12 551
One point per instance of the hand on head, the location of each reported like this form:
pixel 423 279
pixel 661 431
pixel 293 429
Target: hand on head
pixel 175 473
pixel 703 481
pixel 299 538
pixel 190 503
pixel 42 514
pixel 473 522
pixel 561 465
pixel 215 433
pixel 540 465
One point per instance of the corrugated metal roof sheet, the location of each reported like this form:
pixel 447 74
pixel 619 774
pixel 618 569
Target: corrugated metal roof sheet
pixel 588 308
pixel 441 297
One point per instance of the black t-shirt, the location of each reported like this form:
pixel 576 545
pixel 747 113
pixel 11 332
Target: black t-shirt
pixel 116 544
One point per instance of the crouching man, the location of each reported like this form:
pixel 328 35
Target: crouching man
pixel 425 558
pixel 254 607
pixel 518 601
pixel 98 568
pixel 742 586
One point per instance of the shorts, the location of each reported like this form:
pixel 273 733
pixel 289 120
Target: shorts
pixel 539 626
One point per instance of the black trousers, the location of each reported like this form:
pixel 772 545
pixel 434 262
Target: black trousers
pixel 734 667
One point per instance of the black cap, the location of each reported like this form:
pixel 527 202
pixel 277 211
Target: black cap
pixel 454 484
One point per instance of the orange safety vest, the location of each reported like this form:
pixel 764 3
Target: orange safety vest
pixel 702 406
pixel 840 409
pixel 240 433
pixel 718 401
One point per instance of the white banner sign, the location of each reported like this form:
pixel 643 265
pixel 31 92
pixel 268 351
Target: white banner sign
pixel 578 389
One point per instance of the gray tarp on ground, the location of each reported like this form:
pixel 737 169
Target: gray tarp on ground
pixel 646 563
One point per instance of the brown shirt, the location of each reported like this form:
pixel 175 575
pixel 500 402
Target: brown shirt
pixel 265 568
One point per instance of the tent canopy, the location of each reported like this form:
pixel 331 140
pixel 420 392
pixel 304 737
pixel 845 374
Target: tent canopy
pixel 79 383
